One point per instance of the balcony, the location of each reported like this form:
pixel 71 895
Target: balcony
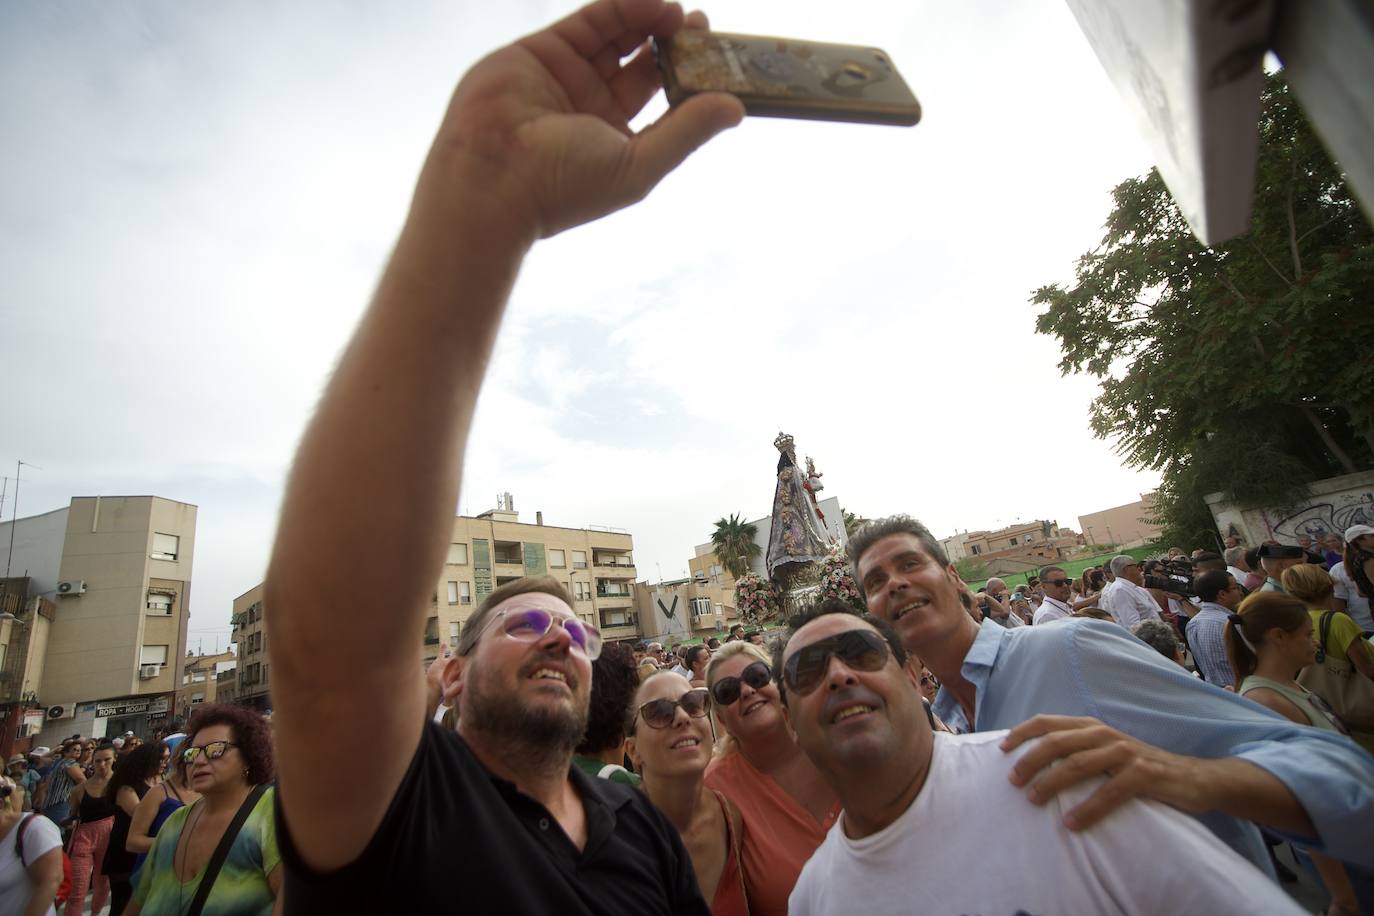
pixel 616 621
pixel 611 590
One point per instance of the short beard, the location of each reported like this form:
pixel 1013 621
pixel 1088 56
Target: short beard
pixel 539 739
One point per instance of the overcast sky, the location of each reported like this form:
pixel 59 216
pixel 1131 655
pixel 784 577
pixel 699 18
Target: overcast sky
pixel 196 200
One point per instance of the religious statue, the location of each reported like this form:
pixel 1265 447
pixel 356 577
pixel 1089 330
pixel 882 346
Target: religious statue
pixel 797 537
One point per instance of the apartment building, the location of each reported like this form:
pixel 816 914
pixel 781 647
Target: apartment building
pixel 1033 542
pixel 683 609
pixel 595 565
pixel 1127 526
pixel 200 680
pixel 104 655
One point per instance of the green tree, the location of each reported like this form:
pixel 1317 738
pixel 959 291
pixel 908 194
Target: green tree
pixel 852 523
pixel 971 569
pixel 1242 368
pixel 734 545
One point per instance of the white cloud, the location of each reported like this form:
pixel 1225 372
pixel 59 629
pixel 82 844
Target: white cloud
pixel 197 205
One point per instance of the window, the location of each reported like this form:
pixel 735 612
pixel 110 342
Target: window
pixel 976 549
pixel 453 593
pixel 152 655
pixel 579 559
pixel 701 607
pixel 165 546
pixel 159 603
pixel 458 554
pixel 619 618
pixel 715 571
pixel 453 634
pixel 1013 542
pixel 464 593
pixel 582 591
pixel 556 560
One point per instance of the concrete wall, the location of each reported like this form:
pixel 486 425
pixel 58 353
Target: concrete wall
pixel 38 543
pixel 1332 506
pixel 1123 525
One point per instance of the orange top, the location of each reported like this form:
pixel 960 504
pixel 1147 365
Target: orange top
pixel 779 833
pixel 730 898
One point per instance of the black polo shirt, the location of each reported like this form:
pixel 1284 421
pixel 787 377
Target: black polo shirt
pixel 458 837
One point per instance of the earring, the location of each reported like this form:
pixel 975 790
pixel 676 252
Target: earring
pixel 245 772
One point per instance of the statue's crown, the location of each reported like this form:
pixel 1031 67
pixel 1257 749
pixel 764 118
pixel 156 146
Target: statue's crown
pixel 783 442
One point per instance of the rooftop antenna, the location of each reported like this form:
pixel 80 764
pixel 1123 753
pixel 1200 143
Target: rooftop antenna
pixel 14 523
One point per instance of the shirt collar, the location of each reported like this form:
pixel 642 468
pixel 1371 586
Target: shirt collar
pixel 1055 602
pixel 1213 606
pixel 976 669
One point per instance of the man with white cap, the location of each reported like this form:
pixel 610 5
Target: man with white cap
pixel 1352 595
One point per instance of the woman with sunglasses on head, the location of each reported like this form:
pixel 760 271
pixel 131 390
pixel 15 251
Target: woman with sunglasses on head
pixel 670 743
pixel 785 803
pixel 158 805
pixel 228 753
pixel 136 772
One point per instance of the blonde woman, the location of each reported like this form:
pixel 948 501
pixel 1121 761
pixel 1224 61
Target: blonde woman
pixel 785 803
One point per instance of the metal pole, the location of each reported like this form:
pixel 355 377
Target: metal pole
pixel 14 521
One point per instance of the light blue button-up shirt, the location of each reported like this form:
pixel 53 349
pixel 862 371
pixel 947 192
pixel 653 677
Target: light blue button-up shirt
pixel 1207 638
pixel 1094 668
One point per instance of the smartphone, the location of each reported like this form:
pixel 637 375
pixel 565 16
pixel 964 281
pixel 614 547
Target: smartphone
pixel 786 78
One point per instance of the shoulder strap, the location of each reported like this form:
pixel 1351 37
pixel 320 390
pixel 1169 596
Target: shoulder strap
pixel 222 850
pixel 19 839
pixel 1325 628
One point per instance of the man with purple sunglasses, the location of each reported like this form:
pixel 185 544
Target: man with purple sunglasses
pixel 493 818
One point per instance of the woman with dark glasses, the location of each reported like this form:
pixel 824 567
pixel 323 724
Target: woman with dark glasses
pixel 228 752
pixel 670 743
pixel 785 803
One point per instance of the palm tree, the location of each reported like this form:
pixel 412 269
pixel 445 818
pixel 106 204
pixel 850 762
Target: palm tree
pixel 733 542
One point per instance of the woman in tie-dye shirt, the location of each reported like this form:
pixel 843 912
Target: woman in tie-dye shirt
pixel 228 752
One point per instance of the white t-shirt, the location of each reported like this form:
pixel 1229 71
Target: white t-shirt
pixel 1356 605
pixel 1128 603
pixel 15 890
pixel 1051 609
pixel 972 843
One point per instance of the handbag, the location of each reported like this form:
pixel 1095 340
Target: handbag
pixel 1335 680
pixel 222 850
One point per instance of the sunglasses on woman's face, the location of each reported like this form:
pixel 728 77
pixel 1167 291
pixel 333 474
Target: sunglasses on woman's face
pixel 929 680
pixel 661 713
pixel 727 690
pixel 859 650
pixel 212 751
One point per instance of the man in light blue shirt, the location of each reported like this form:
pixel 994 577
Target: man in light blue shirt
pixel 1220 594
pixel 1103 702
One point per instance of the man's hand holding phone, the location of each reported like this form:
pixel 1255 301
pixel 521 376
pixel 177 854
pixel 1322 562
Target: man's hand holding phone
pixel 537 134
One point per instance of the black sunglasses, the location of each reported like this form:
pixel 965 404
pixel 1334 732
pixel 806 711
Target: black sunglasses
pixel 661 713
pixel 726 690
pixel 860 650
pixel 1057 583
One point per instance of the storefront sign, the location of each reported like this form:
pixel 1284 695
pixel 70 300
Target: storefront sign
pixel 149 705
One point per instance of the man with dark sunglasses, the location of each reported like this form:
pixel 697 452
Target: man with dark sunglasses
pixel 1055 586
pixel 915 803
pixel 1105 703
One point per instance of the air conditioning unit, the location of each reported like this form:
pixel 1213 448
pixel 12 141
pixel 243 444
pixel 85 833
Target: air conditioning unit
pixel 62 711
pixel 148 671
pixel 72 587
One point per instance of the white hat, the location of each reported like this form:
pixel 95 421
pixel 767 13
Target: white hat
pixel 41 751
pixel 1357 531
pixel 118 742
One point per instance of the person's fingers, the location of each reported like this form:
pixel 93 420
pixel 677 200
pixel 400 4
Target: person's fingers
pixel 1039 725
pixel 1109 796
pixel 623 23
pixel 1075 768
pixel 1055 747
pixel 664 145
pixel 637 82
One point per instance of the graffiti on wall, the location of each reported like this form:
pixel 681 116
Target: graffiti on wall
pixel 1329 517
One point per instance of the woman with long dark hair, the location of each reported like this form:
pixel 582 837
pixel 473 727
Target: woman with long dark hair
pixel 228 750
pixel 93 808
pixel 158 805
pixel 136 772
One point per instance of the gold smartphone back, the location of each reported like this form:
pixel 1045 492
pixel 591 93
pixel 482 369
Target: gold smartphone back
pixel 786 78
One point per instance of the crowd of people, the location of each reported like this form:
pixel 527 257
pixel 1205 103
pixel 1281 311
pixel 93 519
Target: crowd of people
pixel 1068 746
pixel 181 824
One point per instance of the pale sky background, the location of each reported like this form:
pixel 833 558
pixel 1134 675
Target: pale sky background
pixel 196 200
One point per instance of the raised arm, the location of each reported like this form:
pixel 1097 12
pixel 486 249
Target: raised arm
pixel 535 141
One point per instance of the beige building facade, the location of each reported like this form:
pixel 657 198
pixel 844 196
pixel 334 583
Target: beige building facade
pixel 1125 526
pixel 1033 542
pixel 200 680
pixel 118 577
pixel 486 551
